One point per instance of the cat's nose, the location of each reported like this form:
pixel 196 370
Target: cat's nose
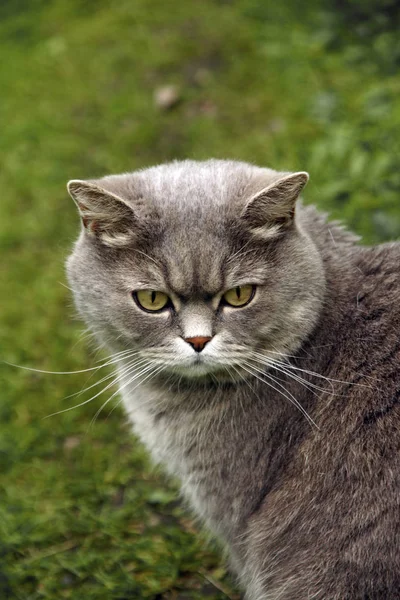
pixel 198 342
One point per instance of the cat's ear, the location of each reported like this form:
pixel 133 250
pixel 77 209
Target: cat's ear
pixel 104 215
pixel 271 211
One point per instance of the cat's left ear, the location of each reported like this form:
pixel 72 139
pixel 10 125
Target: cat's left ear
pixel 271 211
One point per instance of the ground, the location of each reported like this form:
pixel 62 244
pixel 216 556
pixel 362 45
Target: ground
pixel 86 90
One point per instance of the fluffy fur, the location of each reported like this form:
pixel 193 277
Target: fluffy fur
pixel 284 430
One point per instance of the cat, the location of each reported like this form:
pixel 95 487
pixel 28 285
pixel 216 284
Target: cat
pixel 258 356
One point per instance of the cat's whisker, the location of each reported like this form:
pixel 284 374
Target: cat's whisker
pixel 110 362
pixel 122 354
pixel 65 286
pixel 314 374
pixel 290 368
pixel 282 354
pixel 59 412
pixel 103 379
pixel 285 369
pixel 154 405
pixel 289 365
pixel 284 393
pixel 156 372
pixel 307 384
pixel 107 362
pixel 302 382
pixel 107 387
pixel 117 357
pixel 121 387
pixel 281 369
pixel 237 372
pixel 55 372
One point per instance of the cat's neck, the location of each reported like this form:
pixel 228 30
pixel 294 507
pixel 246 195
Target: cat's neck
pixel 227 446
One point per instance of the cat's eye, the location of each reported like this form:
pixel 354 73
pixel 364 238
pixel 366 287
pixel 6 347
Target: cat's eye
pixel 239 295
pixel 151 300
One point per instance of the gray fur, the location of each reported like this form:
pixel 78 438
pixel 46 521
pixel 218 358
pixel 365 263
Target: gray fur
pixel 299 479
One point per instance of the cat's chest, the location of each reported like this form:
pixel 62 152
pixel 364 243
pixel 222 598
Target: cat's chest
pixel 179 440
pixel 205 451
pixel 164 437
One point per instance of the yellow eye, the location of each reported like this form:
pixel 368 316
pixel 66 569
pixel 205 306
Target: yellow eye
pixel 151 300
pixel 239 295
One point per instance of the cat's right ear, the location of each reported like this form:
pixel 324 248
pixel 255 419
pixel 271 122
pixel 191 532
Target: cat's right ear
pixel 104 215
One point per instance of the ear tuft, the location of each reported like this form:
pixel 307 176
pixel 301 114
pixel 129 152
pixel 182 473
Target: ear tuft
pixel 271 211
pixel 104 215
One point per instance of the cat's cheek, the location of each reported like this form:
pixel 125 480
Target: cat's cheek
pixel 141 330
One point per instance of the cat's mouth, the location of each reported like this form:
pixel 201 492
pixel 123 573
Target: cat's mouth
pixel 199 368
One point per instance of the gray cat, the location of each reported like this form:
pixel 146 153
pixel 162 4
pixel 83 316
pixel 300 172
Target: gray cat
pixel 258 352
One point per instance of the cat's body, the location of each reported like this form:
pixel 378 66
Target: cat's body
pixel 307 509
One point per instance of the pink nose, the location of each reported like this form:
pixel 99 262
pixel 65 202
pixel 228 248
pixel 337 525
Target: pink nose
pixel 198 342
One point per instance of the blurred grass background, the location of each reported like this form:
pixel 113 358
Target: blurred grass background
pixel 290 85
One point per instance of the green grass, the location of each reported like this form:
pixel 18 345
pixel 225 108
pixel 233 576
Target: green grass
pixel 82 512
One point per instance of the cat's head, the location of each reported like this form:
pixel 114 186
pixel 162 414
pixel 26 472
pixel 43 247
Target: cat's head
pixel 196 266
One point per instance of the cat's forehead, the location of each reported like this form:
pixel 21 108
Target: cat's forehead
pixel 185 265
pixel 199 267
pixel 194 266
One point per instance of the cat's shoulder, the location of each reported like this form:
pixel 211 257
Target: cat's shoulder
pixel 380 268
pixel 374 302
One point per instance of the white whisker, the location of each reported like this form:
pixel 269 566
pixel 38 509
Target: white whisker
pixel 133 364
pixel 284 393
pixel 281 368
pixel 107 387
pixel 121 387
pixel 105 364
pixel 122 354
pixel 53 372
pixel 156 372
pixel 289 365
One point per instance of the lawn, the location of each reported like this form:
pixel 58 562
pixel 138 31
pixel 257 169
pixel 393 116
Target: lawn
pixel 83 514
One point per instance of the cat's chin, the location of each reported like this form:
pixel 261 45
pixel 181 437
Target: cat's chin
pixel 207 372
pixel 197 370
